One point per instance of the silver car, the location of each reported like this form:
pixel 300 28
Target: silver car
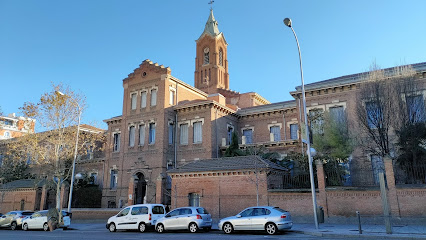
pixel 13 219
pixel 265 218
pixel 191 218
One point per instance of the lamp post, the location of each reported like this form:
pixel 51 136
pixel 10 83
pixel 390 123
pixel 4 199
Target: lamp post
pixel 75 150
pixel 287 22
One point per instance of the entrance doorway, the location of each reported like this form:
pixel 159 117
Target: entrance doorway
pixel 140 189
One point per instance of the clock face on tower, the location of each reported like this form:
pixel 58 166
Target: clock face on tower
pixel 206 50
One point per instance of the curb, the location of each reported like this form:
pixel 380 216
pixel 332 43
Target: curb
pixel 389 236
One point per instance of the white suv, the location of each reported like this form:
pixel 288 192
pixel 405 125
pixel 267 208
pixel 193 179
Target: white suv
pixel 140 217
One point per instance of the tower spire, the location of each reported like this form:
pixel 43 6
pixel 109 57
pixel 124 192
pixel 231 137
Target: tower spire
pixel 211 25
pixel 211 4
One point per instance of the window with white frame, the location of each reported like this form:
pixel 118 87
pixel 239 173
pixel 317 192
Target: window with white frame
pixel 248 133
pixel 143 99
pixel 415 108
pixel 114 179
pixel 151 133
pixel 133 100
pixel 293 131
pixel 198 132
pixel 132 130
pixel 171 133
pixel 316 119
pixel 276 131
pixel 172 97
pixel 153 97
pixel 141 134
pixel 116 142
pixel 184 134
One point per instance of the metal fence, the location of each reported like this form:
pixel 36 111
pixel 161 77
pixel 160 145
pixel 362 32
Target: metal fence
pixel 410 174
pixel 346 174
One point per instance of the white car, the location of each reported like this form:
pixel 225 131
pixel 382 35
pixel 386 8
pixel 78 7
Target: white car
pixel 38 220
pixel 136 217
pixel 191 218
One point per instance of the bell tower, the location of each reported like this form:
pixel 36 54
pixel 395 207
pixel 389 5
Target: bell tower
pixel 211 61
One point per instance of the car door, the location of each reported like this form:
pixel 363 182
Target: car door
pixel 259 218
pixel 243 220
pixel 171 220
pixel 158 211
pixel 122 219
pixel 184 218
pixel 31 222
pixel 137 214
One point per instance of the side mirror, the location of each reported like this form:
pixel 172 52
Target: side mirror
pixel 238 216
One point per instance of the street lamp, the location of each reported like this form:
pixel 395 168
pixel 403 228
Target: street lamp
pixel 75 151
pixel 287 22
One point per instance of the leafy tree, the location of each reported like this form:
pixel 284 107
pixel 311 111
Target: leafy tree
pixel 234 149
pixel 13 170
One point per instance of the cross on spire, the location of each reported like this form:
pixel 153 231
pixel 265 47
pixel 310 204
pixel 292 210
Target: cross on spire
pixel 211 4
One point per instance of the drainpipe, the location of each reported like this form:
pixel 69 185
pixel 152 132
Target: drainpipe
pixel 217 146
pixel 176 126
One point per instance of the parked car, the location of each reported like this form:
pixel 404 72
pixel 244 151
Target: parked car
pixel 13 219
pixel 266 218
pixel 191 218
pixel 38 220
pixel 136 217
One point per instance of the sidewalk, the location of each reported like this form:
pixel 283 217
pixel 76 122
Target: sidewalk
pixel 369 231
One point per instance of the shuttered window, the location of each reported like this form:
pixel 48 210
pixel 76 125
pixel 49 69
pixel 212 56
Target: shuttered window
pixel 293 131
pixel 141 135
pixel 184 133
pixel 143 99
pixel 132 136
pixel 276 131
pixel 151 133
pixel 198 132
pixel 153 97
pixel 248 133
pixel 133 100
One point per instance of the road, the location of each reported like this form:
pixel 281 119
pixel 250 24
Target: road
pixel 99 232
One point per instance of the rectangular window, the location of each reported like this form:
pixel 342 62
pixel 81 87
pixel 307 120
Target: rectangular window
pixel 229 134
pixel 276 131
pixel 198 132
pixel 415 108
pixel 151 133
pixel 248 133
pixel 172 97
pixel 337 114
pixel 153 97
pixel 293 131
pixel 143 99
pixel 114 180
pixel 116 146
pixel 171 133
pixel 316 118
pixel 374 115
pixel 141 135
pixel 133 100
pixel 184 133
pixel 132 130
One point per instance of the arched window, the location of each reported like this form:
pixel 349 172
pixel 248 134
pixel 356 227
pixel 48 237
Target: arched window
pixel 206 55
pixel 221 57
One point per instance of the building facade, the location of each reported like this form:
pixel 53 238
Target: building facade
pixel 167 123
pixel 13 126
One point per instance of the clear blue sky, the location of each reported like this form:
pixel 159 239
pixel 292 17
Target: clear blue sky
pixel 93 45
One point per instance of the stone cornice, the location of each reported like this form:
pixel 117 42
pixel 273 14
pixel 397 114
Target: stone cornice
pixel 245 172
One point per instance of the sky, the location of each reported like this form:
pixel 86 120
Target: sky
pixel 92 46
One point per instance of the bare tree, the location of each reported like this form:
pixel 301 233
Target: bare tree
pixel 52 150
pixel 381 107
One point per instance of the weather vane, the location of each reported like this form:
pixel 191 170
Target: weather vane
pixel 211 4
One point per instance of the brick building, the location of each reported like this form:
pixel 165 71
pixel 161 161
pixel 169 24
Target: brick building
pixel 13 126
pixel 168 128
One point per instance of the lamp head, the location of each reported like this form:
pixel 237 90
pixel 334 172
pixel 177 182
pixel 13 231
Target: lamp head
pixel 287 22
pixel 59 93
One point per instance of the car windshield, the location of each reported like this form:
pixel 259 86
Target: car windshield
pixel 202 211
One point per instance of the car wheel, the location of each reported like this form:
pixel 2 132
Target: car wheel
pixel 160 228
pixel 227 228
pixel 207 229
pixel 193 227
pixel 25 227
pixel 142 227
pixel 270 228
pixel 45 227
pixel 13 226
pixel 112 227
